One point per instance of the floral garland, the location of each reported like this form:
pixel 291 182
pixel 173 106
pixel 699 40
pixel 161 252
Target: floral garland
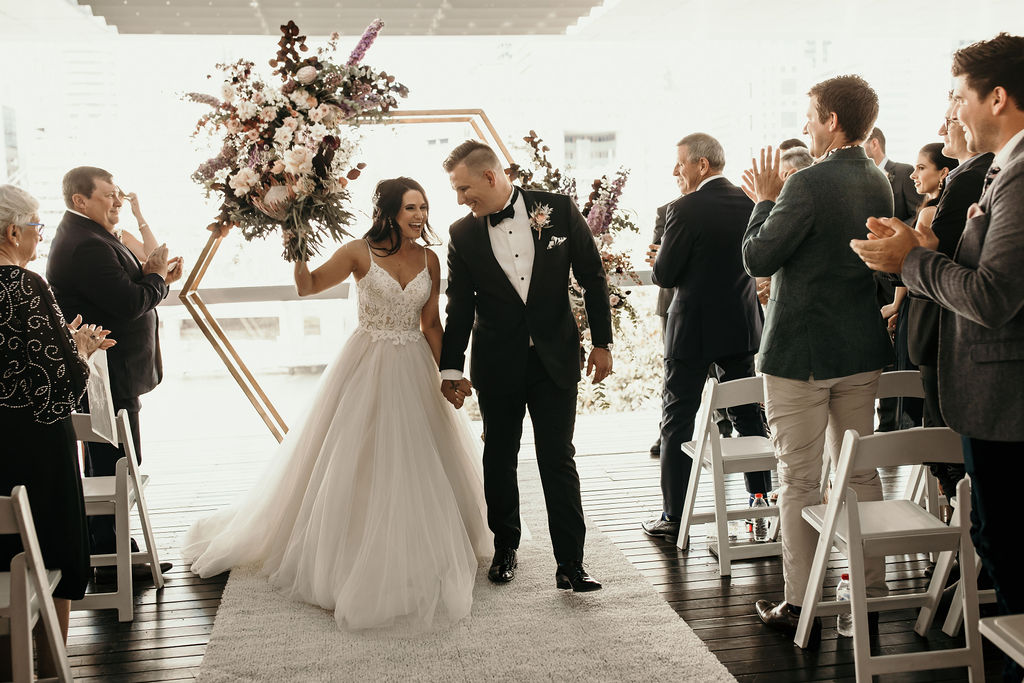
pixel 605 218
pixel 287 151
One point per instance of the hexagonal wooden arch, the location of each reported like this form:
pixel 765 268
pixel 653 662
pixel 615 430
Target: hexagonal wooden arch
pixel 192 299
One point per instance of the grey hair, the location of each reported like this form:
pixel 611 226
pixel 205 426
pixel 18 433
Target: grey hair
pixel 16 206
pixel 797 158
pixel 703 146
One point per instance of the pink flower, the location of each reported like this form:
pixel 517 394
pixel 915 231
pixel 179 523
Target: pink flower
pixel 298 161
pixel 613 300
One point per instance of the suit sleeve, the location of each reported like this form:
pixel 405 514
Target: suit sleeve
pixel 659 225
pixel 776 229
pixel 993 293
pixel 460 312
pixel 588 269
pixel 676 247
pixel 104 282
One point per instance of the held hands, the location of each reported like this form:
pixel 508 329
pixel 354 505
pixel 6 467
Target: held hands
pixel 89 338
pixel 599 363
pixel 888 243
pixel 762 181
pixel 456 390
pixel 652 254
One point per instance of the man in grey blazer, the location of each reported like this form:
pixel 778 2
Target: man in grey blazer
pixel 824 343
pixel 981 292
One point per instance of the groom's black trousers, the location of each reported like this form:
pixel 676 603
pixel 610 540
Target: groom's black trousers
pixel 553 413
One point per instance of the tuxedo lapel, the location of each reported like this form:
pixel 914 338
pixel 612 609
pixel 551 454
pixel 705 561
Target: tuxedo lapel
pixel 540 245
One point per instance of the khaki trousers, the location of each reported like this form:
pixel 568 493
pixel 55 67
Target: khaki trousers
pixel 804 418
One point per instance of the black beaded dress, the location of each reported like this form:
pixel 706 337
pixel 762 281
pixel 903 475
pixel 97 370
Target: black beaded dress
pixel 42 378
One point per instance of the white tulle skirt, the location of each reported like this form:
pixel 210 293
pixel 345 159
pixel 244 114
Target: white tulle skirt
pixel 373 506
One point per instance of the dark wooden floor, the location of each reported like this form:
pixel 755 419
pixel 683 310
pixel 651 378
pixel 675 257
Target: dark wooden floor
pixel 191 477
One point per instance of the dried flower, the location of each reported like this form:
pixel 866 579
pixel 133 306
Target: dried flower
pixel 306 75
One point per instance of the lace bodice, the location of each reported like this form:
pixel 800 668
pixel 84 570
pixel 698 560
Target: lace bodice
pixel 386 311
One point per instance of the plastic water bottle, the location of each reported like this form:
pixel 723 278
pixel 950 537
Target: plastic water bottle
pixel 844 622
pixel 760 522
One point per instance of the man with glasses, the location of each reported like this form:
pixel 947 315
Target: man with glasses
pixel 93 274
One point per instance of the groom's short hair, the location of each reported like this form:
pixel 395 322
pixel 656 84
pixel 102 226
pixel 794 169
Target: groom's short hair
pixel 475 155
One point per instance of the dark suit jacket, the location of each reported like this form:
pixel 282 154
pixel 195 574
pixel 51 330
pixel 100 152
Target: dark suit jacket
pixel 94 275
pixel 905 199
pixel 981 326
pixel 714 313
pixel 481 300
pixel 963 188
pixel 664 293
pixel 822 317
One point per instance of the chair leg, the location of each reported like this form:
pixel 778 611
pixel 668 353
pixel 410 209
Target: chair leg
pixel 935 587
pixel 122 532
pixel 858 592
pixel 969 589
pixel 721 518
pixel 683 540
pixel 20 622
pixel 147 533
pixel 815 587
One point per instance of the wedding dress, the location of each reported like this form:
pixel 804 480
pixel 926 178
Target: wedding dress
pixel 373 506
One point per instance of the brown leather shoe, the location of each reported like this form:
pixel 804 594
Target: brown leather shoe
pixel 781 618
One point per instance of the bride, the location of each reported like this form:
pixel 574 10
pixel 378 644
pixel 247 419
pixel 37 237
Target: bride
pixel 373 506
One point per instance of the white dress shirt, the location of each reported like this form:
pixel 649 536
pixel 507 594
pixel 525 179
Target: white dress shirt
pixel 1003 155
pixel 708 180
pixel 513 245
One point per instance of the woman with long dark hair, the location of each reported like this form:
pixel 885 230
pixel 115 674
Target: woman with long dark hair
pixel 373 507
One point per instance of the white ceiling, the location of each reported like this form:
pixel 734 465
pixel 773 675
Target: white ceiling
pixel 321 17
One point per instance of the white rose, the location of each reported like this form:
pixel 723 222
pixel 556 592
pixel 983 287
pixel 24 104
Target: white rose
pixel 233 125
pixel 306 75
pixel 243 181
pixel 613 300
pixel 283 135
pixel 268 113
pixel 291 122
pixel 301 98
pixel 298 160
pixel 318 131
pixel 316 115
pixel 247 110
pixel 227 91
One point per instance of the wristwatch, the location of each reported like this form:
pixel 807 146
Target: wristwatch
pixel 606 347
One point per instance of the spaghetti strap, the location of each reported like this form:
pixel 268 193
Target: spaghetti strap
pixel 425 257
pixel 369 250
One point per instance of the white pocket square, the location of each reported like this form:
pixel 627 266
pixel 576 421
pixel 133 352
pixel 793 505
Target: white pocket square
pixel 555 241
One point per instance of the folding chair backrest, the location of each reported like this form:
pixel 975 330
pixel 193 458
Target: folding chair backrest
pixel 703 423
pixel 905 383
pixel 82 423
pixel 889 449
pixel 738 392
pixel 8 522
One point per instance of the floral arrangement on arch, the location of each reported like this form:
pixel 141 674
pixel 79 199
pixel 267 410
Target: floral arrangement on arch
pixel 288 149
pixel 605 218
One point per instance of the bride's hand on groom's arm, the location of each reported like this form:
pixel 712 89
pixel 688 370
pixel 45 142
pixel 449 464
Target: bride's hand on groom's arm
pixel 456 391
pixel 600 364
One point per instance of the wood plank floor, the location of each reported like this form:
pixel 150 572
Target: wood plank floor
pixel 192 476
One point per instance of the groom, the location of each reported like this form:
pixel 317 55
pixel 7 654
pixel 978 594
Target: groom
pixel 508 283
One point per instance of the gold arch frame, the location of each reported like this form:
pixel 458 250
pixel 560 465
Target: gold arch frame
pixel 191 296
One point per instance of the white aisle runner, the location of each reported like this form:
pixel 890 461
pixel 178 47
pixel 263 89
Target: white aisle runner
pixel 525 631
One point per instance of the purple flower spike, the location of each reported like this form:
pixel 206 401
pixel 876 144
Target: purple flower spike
pixel 369 35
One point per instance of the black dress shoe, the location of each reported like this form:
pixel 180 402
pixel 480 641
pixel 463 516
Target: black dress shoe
pixel 781 618
pixel 503 566
pixel 661 528
pixel 574 576
pixel 140 572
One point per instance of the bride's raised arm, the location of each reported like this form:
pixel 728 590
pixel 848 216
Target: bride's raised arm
pixel 350 258
pixel 430 318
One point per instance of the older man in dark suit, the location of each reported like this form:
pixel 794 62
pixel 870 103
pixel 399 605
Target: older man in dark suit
pixel 981 292
pixel 714 318
pixel 93 274
pixel 824 343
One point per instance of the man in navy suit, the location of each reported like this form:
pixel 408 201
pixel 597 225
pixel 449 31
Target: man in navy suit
pixel 714 319
pixel 93 274
pixel 508 286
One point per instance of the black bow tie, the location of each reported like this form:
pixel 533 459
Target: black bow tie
pixel 508 212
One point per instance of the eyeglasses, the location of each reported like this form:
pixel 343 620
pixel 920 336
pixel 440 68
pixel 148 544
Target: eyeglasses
pixel 39 228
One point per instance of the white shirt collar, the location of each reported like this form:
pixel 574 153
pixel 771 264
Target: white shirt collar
pixel 1003 155
pixel 77 214
pixel 883 162
pixel 708 180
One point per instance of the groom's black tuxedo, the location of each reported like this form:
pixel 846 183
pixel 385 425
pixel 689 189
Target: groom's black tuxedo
pixel 510 375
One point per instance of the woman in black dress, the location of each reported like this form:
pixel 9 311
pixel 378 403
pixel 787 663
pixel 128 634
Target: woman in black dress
pixel 43 374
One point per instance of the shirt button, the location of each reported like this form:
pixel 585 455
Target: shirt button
pixel 522 278
pixel 517 255
pixel 510 232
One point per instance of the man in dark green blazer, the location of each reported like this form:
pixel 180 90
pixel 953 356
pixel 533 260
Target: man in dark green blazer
pixel 824 342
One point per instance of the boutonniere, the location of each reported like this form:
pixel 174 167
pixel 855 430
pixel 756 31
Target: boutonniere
pixel 890 175
pixel 540 218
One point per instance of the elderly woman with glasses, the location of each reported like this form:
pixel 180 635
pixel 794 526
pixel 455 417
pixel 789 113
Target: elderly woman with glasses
pixel 43 373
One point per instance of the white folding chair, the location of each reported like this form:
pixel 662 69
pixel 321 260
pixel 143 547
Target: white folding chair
pixel 117 495
pixel 1007 633
pixel 26 593
pixel 955 615
pixel 726 456
pixel 891 527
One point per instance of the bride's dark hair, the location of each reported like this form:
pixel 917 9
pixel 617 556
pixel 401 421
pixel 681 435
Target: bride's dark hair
pixel 387 202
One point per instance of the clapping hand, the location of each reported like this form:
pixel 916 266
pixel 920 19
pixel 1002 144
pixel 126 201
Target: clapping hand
pixel 175 269
pixel 652 254
pixel 456 390
pixel 888 243
pixel 89 338
pixel 762 181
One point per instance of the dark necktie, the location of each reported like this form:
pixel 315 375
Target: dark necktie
pixel 508 212
pixel 989 177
